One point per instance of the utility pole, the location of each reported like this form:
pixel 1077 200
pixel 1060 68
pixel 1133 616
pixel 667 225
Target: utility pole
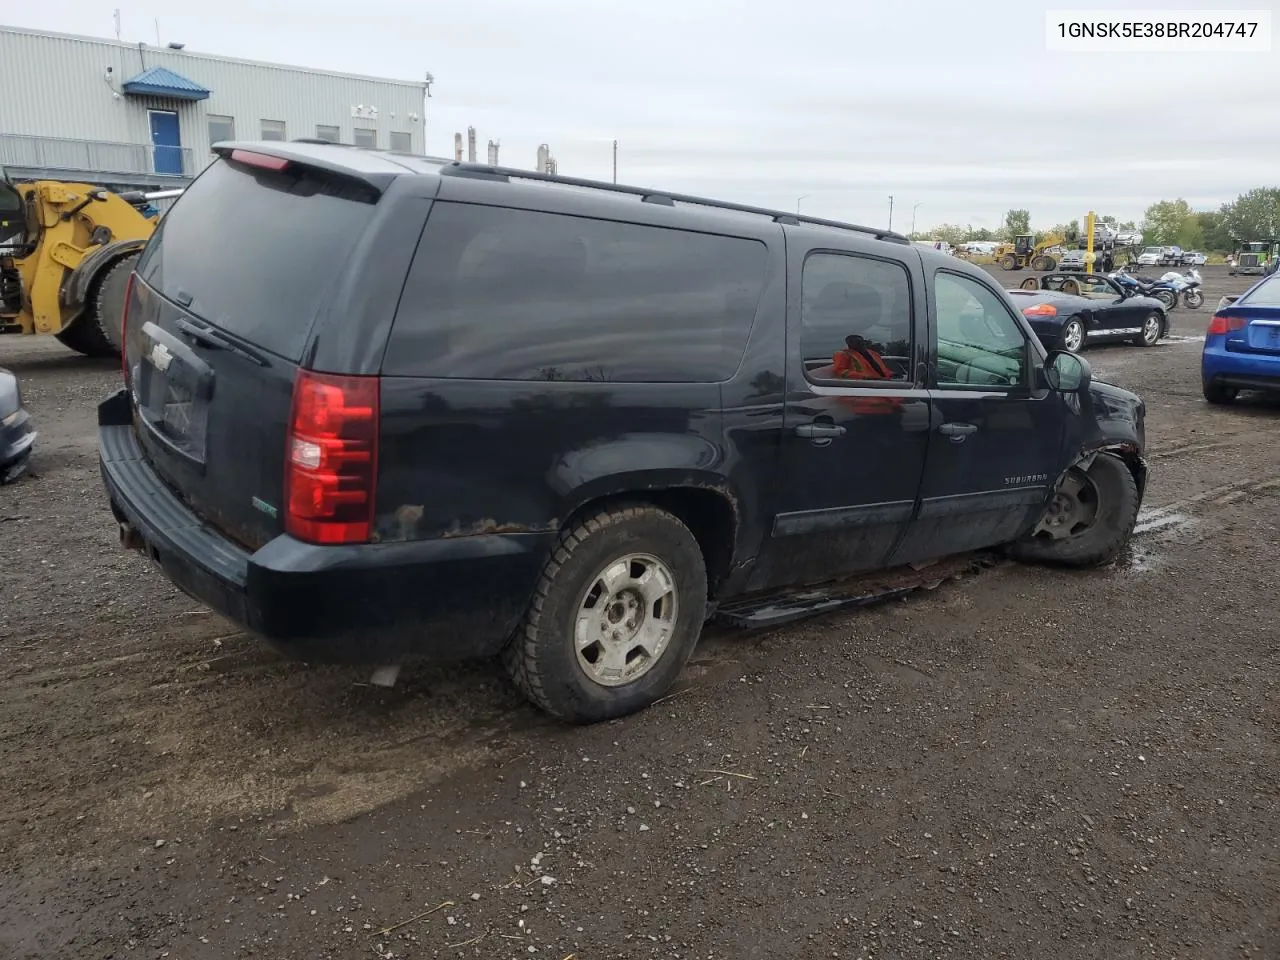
pixel 891 211
pixel 615 161
pixel 427 81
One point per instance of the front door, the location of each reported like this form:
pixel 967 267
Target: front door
pixel 996 442
pixel 166 142
pixel 855 419
pixel 1116 315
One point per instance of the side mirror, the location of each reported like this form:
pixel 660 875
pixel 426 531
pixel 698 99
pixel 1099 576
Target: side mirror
pixel 1067 372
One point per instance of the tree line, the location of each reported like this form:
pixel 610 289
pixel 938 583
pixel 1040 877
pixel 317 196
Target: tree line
pixel 1254 215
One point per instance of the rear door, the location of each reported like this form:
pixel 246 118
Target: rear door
pixel 995 446
pixel 856 416
pixel 220 314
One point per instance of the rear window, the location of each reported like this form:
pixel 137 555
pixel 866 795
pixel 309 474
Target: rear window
pixel 1266 294
pixel 256 253
pixel 501 294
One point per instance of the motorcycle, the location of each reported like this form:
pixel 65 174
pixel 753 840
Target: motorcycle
pixel 1161 289
pixel 1188 285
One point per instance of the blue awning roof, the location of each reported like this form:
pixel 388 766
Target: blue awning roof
pixel 159 82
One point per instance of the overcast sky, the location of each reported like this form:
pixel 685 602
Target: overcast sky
pixel 952 104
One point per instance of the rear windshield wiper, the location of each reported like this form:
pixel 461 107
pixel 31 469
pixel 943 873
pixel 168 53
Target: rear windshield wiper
pixel 208 337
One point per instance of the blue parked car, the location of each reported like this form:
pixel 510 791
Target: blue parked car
pixel 1242 345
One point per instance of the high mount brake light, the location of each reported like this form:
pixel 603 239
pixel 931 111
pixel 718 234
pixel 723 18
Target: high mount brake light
pixel 1040 310
pixel 1219 325
pixel 263 160
pixel 331 461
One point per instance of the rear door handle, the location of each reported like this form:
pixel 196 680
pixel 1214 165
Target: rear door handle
pixel 816 431
pixel 957 431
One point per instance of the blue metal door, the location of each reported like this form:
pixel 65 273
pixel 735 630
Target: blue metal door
pixel 166 142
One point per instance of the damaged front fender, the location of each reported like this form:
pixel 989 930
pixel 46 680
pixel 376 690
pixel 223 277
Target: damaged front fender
pixel 1107 420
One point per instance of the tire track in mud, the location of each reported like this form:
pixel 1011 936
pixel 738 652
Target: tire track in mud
pixel 1177 513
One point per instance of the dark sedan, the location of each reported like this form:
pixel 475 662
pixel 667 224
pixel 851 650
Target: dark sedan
pixel 1069 310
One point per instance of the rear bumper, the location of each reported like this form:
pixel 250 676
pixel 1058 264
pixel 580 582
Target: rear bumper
pixel 1246 371
pixel 371 603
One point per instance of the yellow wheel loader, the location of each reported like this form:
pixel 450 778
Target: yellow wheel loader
pixel 66 252
pixel 1025 252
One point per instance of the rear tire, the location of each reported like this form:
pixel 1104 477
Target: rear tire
pixel 559 661
pixel 86 337
pixel 1218 394
pixel 108 300
pixel 1073 336
pixel 1152 330
pixel 1090 519
pixel 97 332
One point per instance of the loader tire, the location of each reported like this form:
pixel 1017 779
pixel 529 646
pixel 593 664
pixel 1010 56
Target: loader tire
pixel 97 331
pixel 85 336
pixel 108 300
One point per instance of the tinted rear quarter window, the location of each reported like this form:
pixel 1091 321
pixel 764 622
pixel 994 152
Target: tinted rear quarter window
pixel 502 294
pixel 257 252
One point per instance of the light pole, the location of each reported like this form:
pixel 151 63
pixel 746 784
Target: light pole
pixel 913 216
pixel 427 81
pixel 891 211
pixel 803 196
pixel 615 161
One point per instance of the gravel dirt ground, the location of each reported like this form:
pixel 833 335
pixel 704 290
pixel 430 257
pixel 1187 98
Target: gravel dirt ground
pixel 1024 764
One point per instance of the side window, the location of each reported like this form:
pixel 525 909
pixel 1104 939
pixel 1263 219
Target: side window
pixel 855 320
pixel 501 294
pixel 979 342
pixel 221 128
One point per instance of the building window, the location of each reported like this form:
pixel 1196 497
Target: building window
pixel 272 129
pixel 221 128
pixel 402 142
pixel 326 132
pixel 366 138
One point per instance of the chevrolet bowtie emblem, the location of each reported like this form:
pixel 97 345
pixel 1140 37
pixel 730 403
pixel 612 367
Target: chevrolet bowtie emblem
pixel 161 357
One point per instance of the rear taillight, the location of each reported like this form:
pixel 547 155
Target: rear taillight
pixel 331 463
pixel 1219 325
pixel 1040 310
pixel 124 329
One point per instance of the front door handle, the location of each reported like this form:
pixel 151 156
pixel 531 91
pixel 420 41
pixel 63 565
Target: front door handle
pixel 957 431
pixel 819 431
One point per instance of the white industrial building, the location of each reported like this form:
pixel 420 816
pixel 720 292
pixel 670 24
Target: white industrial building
pixel 133 115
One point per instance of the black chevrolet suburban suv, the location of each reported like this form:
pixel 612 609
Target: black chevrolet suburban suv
pixel 380 407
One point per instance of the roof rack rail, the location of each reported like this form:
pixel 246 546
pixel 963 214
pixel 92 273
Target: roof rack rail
pixel 484 171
